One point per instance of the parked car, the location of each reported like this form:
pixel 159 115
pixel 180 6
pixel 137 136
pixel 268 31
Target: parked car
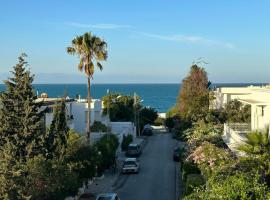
pixel 108 196
pixel 147 131
pixel 131 165
pixel 177 154
pixel 133 150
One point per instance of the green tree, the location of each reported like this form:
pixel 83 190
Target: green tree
pixel 235 111
pixel 257 147
pixel 91 50
pixel 56 139
pixel 193 100
pixel 121 107
pixel 12 173
pixel 148 115
pixel 21 122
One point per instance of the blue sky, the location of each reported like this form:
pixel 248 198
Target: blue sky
pixel 148 41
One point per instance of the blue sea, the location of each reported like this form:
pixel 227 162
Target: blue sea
pixel 159 96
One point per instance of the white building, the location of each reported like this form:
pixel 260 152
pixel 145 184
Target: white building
pixel 259 100
pixel 77 114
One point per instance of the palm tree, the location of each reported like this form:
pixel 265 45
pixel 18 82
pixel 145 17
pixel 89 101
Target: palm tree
pixel 91 50
pixel 257 148
pixel 257 144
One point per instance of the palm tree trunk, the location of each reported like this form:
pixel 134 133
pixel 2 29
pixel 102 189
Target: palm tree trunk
pixel 89 111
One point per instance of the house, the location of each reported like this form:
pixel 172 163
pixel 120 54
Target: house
pixel 77 114
pixel 259 100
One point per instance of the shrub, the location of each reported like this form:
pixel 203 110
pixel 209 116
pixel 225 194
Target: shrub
pixel 98 127
pixel 189 168
pixel 239 186
pixel 50 179
pixel 106 148
pixel 127 139
pixel 193 181
pixel 159 121
pixel 210 158
pixel 169 123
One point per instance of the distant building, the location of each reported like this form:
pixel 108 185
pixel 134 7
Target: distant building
pixel 259 100
pixel 77 113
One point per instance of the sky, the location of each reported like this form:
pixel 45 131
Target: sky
pixel 153 41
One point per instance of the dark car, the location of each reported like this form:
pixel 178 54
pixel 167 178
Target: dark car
pixel 177 153
pixel 147 131
pixel 133 150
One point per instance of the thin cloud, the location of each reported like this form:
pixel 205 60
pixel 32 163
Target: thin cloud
pixel 97 26
pixel 190 39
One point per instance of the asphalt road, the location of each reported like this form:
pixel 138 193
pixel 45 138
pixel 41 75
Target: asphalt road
pixel 157 177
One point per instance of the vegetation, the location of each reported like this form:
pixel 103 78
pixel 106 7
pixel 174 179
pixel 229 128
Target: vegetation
pixel 99 127
pixel 120 107
pixel 193 100
pixel 43 164
pixel 236 112
pixel 127 139
pixel 91 50
pixel 209 169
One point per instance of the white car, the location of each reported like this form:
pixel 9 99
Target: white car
pixel 131 165
pixel 108 196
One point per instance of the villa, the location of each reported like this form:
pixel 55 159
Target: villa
pixel 259 100
pixel 77 113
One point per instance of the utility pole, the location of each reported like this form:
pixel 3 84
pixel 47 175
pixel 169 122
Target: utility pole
pixel 135 120
pixel 108 110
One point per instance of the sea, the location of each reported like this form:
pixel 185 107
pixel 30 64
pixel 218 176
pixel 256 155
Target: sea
pixel 159 96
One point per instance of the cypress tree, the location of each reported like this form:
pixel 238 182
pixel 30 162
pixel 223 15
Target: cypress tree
pixel 21 121
pixel 56 139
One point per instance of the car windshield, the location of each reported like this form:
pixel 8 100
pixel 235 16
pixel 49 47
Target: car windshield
pixel 132 148
pixel 130 163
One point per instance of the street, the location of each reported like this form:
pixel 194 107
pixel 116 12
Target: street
pixel 157 177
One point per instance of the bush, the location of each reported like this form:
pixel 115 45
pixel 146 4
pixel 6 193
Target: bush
pixel 159 121
pixel 193 181
pixel 210 159
pixel 189 168
pixel 98 127
pixel 169 123
pixel 50 179
pixel 127 139
pixel 106 148
pixel 239 186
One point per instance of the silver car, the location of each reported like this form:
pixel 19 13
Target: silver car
pixel 131 165
pixel 108 196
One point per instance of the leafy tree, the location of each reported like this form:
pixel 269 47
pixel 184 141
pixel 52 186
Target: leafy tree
pixel 56 139
pixel 193 100
pixel 121 107
pixel 91 50
pixel 147 115
pixel 50 179
pixel 235 112
pixel 127 139
pixel 169 122
pixel 20 120
pixel 99 127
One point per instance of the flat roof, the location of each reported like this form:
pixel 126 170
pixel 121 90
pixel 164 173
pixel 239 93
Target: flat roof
pixel 252 101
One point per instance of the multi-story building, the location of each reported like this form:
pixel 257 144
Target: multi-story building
pixel 259 100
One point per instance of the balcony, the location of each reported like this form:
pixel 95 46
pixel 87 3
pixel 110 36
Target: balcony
pixel 235 134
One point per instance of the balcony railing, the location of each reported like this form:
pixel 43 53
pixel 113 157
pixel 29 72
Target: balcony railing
pixel 235 133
